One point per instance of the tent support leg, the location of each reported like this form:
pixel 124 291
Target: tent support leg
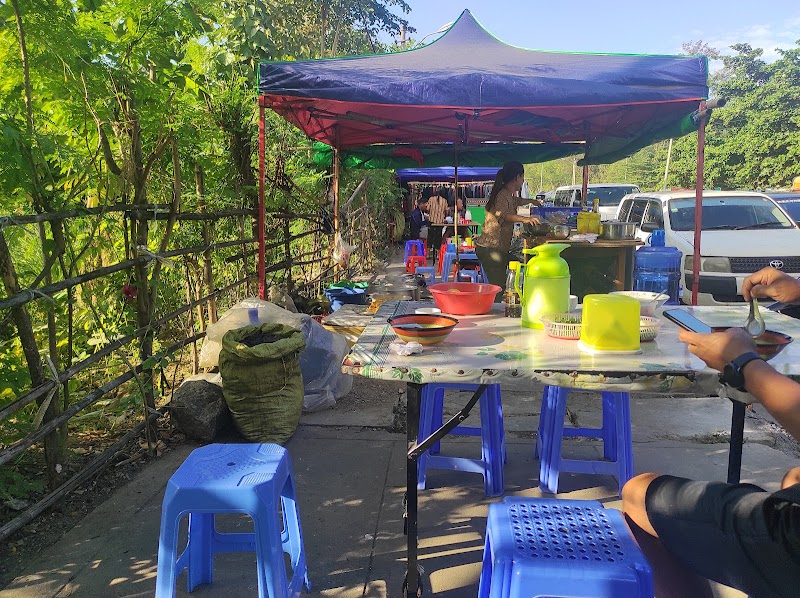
pixel 698 201
pixel 261 218
pixel 337 173
pixel 585 183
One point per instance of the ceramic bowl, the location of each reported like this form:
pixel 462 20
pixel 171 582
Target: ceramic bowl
pixel 648 302
pixel 425 329
pixel 768 344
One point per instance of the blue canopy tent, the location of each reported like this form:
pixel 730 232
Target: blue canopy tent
pixel 468 88
pixel 448 174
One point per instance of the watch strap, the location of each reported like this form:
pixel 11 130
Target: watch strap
pixel 744 359
pixel 733 375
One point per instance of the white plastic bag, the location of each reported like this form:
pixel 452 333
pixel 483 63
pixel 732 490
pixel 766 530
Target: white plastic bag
pixel 320 361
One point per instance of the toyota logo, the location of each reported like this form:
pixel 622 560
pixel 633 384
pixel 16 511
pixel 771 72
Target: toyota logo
pixel 777 264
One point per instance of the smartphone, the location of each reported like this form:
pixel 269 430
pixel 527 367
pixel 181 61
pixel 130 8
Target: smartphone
pixel 686 320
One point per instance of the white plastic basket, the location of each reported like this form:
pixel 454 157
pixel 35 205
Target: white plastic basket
pixel 566 325
pixel 648 328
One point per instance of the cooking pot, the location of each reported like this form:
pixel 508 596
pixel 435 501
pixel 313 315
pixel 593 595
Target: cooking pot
pixel 536 230
pixel 560 231
pixel 615 230
pixel 390 291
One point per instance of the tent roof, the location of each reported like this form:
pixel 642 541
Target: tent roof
pixel 447 174
pixel 468 86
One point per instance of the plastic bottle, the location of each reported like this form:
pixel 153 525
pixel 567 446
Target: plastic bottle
pixel 657 268
pixel 512 300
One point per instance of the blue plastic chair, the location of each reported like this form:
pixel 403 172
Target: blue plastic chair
pixel 615 434
pixel 413 247
pixel 449 260
pixel 429 272
pixel 471 274
pixel 556 547
pixel 254 479
pixel 491 431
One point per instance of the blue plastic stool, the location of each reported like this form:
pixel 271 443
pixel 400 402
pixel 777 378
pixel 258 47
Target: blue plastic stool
pixel 615 434
pixel 491 431
pixel 556 547
pixel 449 260
pixel 429 272
pixel 414 247
pixel 471 274
pixel 254 479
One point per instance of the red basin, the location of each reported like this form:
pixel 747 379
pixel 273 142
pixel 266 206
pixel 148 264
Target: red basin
pixel 464 298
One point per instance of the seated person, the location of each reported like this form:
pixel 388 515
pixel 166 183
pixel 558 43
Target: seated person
pixel 419 220
pixel 737 534
pixel 455 213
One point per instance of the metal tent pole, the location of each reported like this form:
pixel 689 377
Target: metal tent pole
pixel 698 199
pixel 261 217
pixel 337 173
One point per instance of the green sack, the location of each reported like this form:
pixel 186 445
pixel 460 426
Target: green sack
pixel 261 380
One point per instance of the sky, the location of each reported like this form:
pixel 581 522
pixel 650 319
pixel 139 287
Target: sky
pixel 627 26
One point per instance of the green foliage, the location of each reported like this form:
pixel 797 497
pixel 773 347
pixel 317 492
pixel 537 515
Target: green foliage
pixel 14 484
pixel 751 143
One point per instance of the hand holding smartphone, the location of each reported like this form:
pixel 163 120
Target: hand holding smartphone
pixel 687 321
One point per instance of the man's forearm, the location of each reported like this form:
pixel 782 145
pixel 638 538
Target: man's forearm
pixel 778 394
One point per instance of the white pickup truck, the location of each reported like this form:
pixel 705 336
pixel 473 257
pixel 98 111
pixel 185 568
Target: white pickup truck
pixel 743 231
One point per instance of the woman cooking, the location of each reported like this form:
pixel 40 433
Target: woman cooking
pixel 498 227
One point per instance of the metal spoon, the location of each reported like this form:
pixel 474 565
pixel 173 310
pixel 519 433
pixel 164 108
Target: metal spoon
pixel 755 323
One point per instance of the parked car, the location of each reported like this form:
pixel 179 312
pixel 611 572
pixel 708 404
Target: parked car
pixel 789 201
pixel 609 194
pixel 743 231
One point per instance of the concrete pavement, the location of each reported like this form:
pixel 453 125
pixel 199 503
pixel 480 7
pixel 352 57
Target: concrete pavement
pixel 350 474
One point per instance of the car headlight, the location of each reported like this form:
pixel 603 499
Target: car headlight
pixel 708 264
pixel 715 264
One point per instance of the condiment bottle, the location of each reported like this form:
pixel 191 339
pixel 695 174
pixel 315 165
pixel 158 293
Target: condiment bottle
pixel 513 304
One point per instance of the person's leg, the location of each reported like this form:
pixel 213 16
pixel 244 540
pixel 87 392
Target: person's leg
pixel 791 478
pixel 716 530
pixel 671 579
pixel 494 263
pixel 633 500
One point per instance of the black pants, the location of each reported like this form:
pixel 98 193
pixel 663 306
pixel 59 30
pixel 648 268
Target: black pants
pixel 495 263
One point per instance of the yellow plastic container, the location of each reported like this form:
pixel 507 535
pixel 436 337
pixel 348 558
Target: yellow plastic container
pixel 610 324
pixel 588 222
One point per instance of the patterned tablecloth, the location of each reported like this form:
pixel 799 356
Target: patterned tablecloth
pixel 493 349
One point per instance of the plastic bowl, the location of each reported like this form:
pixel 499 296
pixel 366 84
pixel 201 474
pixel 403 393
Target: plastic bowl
pixel 648 302
pixel 464 298
pixel 768 344
pixel 425 329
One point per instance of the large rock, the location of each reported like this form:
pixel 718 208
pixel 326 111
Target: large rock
pixel 198 408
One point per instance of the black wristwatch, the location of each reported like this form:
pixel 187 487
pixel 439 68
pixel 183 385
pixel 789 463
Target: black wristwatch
pixel 732 373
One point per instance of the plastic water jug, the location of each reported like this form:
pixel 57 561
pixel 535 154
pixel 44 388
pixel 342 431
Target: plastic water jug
pixel 657 268
pixel 546 288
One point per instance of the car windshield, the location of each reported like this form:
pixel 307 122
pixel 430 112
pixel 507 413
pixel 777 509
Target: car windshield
pixel 610 196
pixel 728 213
pixel 792 207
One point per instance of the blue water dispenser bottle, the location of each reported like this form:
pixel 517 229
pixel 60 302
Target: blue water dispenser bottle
pixel 657 268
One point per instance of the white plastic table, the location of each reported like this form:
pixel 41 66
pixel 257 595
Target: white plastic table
pixel 492 349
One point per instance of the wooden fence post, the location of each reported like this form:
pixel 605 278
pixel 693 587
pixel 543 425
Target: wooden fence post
pixel 52 443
